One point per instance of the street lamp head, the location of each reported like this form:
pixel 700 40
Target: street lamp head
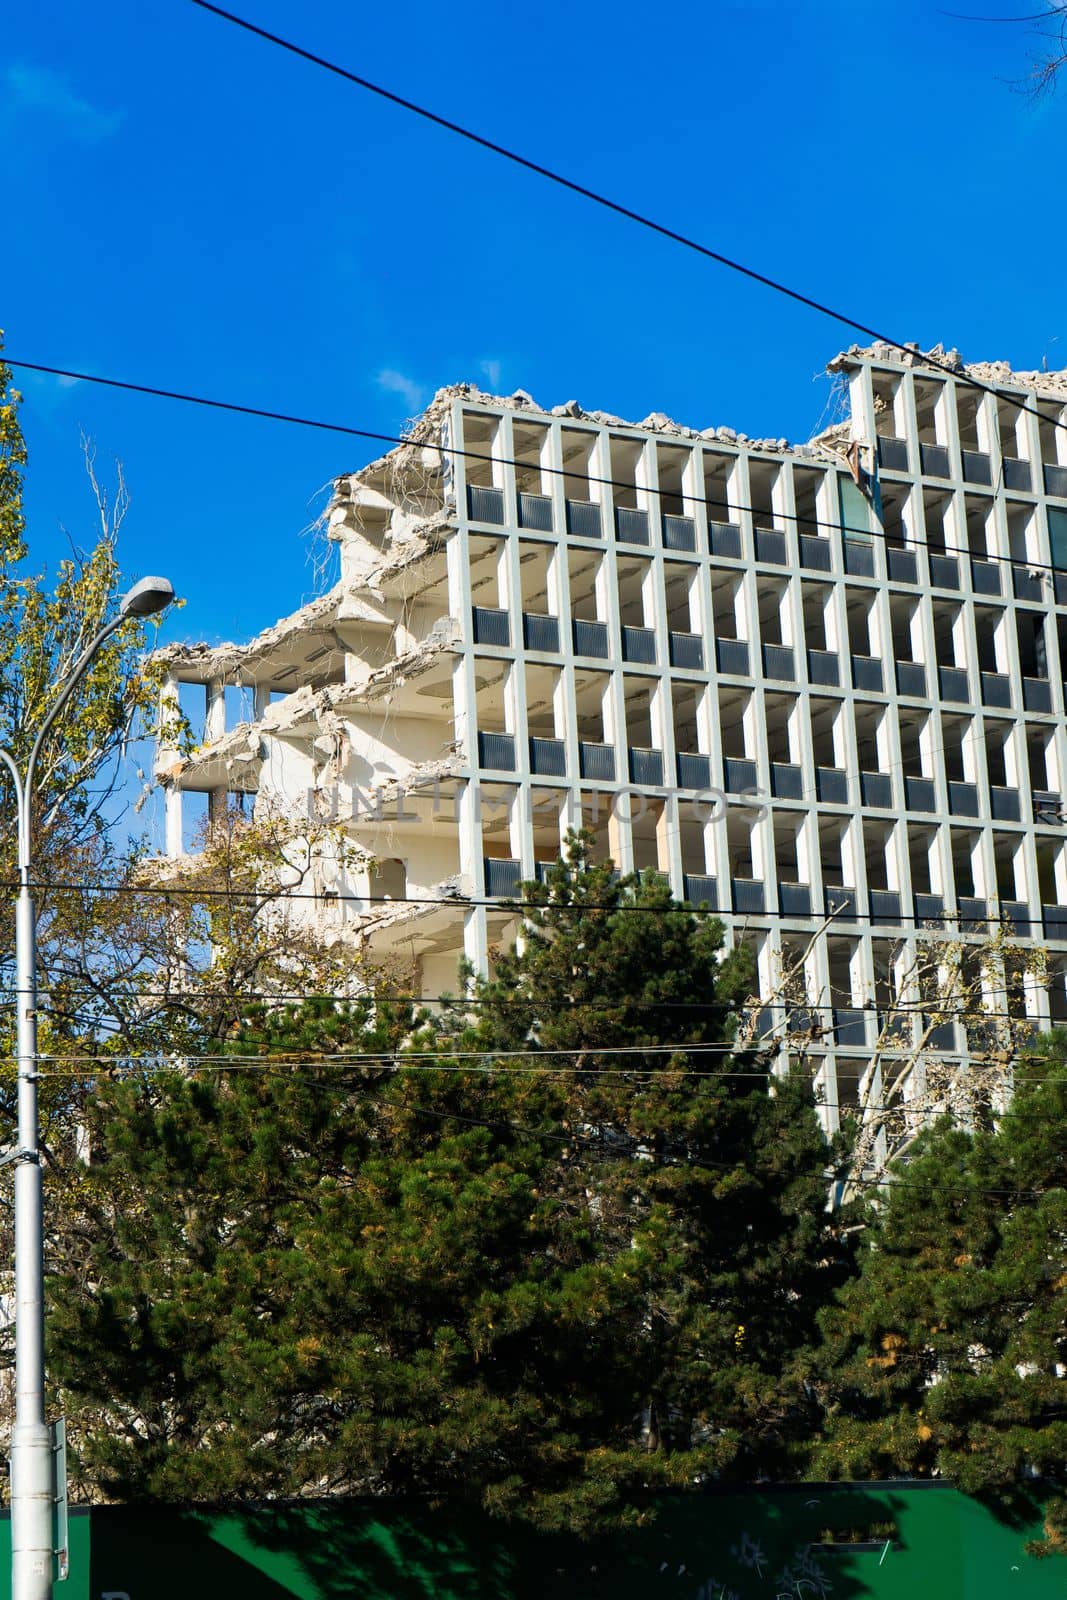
pixel 147 597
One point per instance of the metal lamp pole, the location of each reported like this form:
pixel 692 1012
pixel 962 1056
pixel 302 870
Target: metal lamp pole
pixel 32 1482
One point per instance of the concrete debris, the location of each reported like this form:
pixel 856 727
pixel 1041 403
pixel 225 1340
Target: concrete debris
pixel 232 661
pixel 384 916
pixel 442 637
pixel 422 775
pixel 1052 383
pixel 428 540
pixel 322 709
pixel 659 422
pixel 426 429
pixel 993 373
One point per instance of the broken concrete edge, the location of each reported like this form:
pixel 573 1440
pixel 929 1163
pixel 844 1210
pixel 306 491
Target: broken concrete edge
pixel 455 891
pixel 323 710
pixel 423 449
pixel 423 534
pixel 999 374
pixel 451 893
pixel 344 602
pixel 422 445
pixel 221 660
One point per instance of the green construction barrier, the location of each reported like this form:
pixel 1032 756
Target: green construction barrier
pixel 804 1542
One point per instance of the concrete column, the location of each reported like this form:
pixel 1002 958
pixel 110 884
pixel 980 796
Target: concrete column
pixel 520 829
pixel 476 938
pixel 470 840
pixel 668 844
pixel 969 751
pixel 940 864
pixel 214 710
pixel 570 815
pixel 169 715
pixel 1000 644
pixel 619 837
pixel 946 426
pixel 1015 765
pixel 1059 872
pixel 172 803
pixel 850 857
pixel 807 854
pixel 897 873
pixel 982 866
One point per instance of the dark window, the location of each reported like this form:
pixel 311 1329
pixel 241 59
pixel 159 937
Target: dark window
pixel 1057 536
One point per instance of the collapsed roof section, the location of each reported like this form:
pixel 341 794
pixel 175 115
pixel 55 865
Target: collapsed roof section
pixel 288 649
pixel 233 758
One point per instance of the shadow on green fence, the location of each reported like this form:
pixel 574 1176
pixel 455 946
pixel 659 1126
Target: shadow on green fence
pixel 805 1542
pixel 704 1547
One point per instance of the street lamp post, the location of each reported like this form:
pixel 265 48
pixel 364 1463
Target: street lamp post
pixel 32 1491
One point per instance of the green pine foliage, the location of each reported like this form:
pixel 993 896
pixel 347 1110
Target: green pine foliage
pixel 548 1282
pixel 946 1355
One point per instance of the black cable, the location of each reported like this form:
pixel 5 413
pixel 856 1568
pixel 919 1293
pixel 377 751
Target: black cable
pixel 731 507
pixel 60 987
pixel 203 400
pixel 510 906
pixel 543 172
pixel 766 1047
pixel 125 1066
pixel 448 450
pixel 887 1180
pixel 411 1060
pixel 1034 16
pixel 586 193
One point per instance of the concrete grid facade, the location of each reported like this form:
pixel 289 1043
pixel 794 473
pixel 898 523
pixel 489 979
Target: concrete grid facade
pixel 795 679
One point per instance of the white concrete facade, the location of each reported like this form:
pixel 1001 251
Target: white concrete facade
pixel 793 679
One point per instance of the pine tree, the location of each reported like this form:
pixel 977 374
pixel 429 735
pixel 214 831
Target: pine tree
pixel 946 1354
pixel 397 1256
pixel 708 1178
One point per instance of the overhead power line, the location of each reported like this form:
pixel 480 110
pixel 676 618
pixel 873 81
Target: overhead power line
pixel 593 195
pixel 541 171
pixel 731 507
pixel 203 400
pixel 500 1065
pixel 1034 16
pixel 508 906
pixel 887 1180
pixel 358 1058
pixel 131 993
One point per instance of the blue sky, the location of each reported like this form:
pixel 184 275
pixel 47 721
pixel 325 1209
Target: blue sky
pixel 185 205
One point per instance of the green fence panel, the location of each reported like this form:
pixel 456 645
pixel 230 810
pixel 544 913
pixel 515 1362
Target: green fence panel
pixel 76 1587
pixel 805 1542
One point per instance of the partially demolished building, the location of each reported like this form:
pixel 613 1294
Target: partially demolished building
pixel 821 687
